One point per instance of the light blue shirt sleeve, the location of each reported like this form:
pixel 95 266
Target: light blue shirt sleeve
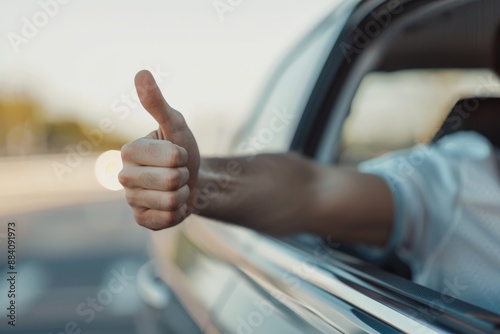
pixel 424 182
pixel 446 216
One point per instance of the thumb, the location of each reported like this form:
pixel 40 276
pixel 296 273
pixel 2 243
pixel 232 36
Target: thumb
pixel 169 119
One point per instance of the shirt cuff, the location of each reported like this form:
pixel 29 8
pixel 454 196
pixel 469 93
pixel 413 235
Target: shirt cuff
pixel 379 255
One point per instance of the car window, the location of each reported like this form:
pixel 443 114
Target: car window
pixel 396 110
pixel 276 117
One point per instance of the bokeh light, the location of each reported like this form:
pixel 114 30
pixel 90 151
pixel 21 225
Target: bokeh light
pixel 107 167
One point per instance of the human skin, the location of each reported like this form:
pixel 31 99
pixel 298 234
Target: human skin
pixel 166 180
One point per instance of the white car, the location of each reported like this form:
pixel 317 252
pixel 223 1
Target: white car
pixel 372 77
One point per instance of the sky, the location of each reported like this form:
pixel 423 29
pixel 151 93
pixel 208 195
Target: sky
pixel 79 57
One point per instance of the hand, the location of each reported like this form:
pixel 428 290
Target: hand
pixel 160 170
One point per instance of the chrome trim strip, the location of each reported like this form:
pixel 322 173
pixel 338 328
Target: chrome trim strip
pixel 282 258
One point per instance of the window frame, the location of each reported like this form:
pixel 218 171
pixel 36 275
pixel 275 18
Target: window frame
pixel 319 132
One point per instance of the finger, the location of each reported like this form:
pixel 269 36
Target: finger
pixel 152 135
pixel 153 101
pixel 154 178
pixel 157 200
pixel 158 153
pixel 158 220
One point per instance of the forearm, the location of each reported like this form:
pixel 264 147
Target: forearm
pixel 353 207
pixel 284 194
pixel 269 193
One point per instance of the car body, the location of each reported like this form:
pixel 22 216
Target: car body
pixel 221 278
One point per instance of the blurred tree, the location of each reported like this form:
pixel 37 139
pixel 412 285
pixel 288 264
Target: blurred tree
pixel 21 127
pixel 62 133
pixel 25 130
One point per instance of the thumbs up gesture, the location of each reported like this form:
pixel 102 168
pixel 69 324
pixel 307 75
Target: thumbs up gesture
pixel 160 170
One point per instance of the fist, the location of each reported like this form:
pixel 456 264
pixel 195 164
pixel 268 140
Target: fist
pixel 160 169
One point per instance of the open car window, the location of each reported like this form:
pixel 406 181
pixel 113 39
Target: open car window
pixel 397 93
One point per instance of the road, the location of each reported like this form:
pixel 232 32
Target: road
pixel 78 252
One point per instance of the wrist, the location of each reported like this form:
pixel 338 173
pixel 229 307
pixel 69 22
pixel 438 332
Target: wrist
pixel 216 179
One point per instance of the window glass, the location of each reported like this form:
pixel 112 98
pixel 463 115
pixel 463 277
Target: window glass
pixel 274 123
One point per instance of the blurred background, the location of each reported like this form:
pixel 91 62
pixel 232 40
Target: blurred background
pixel 67 105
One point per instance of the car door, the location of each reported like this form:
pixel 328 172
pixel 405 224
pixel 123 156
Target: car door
pixel 237 281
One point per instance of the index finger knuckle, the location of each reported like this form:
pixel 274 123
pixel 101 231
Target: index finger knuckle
pixel 175 156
